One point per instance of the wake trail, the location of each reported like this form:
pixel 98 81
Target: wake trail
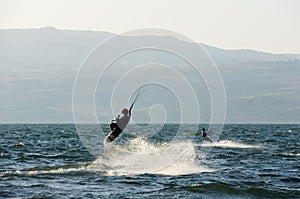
pixel 230 144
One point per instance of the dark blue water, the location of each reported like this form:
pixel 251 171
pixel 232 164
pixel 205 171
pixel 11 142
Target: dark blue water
pixel 248 161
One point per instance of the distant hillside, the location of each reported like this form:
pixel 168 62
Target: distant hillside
pixel 225 57
pixel 46 47
pixel 66 49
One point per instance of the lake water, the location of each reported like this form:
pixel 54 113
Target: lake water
pixel 247 161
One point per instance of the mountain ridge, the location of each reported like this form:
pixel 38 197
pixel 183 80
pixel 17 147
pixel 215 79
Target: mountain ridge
pixel 52 47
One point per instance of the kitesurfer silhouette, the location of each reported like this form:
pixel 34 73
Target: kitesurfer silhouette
pixel 119 124
pixel 204 134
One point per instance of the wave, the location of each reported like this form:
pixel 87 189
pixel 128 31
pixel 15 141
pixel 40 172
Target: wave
pixel 43 172
pixel 218 190
pixel 289 154
pixel 70 169
pixel 142 157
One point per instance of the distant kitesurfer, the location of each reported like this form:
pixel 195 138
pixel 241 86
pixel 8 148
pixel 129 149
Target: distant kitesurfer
pixel 204 134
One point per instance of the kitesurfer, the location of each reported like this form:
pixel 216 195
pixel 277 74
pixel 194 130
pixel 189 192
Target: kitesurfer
pixel 119 124
pixel 204 135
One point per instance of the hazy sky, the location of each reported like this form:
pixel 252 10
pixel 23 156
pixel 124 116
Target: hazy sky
pixel 264 25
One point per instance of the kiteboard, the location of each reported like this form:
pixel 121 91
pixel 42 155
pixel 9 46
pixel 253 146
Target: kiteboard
pixel 113 135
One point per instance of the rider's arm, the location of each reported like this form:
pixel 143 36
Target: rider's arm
pixel 117 119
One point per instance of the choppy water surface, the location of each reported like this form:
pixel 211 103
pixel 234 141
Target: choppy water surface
pixel 248 161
